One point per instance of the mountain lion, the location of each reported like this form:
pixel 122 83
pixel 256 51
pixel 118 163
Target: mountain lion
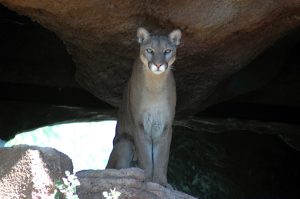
pixel 144 127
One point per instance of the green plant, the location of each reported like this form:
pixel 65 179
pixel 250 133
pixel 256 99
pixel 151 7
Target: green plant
pixel 66 188
pixel 112 195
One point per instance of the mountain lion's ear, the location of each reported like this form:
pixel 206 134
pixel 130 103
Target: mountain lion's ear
pixel 142 35
pixel 175 37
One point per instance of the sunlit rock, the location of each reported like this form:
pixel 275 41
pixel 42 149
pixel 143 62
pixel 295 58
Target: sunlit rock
pixel 30 172
pixel 129 182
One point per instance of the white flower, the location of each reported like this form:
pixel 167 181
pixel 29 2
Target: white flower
pixel 66 181
pixel 112 195
pixel 68 186
pixel 76 182
pixel 105 194
pixel 115 194
pixel 67 173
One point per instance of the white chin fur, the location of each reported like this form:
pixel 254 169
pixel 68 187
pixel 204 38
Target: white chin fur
pixel 159 70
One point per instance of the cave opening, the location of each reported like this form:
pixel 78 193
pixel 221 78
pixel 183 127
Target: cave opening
pixel 69 138
pixel 37 80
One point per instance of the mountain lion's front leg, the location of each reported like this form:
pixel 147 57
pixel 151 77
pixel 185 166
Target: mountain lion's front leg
pixel 143 149
pixel 161 148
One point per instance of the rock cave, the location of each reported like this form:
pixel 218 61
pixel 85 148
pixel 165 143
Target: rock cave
pixel 237 127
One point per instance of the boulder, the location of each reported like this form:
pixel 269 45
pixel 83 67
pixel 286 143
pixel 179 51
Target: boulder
pixel 30 172
pixel 219 39
pixel 129 182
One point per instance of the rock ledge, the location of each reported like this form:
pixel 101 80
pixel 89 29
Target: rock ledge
pixel 130 182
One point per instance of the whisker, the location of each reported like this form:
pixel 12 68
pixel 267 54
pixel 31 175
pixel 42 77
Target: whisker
pixel 172 68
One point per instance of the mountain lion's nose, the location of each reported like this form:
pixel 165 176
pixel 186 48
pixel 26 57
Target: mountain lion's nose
pixel 158 65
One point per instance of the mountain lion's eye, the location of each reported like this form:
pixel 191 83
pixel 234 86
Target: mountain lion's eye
pixel 149 50
pixel 167 51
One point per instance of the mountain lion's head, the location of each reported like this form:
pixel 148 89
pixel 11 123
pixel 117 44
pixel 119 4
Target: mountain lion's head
pixel 158 53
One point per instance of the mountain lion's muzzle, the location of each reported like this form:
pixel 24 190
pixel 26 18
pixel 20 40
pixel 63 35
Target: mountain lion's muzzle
pixel 158 68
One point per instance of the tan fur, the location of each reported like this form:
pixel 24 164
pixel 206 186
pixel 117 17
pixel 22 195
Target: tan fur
pixel 144 127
